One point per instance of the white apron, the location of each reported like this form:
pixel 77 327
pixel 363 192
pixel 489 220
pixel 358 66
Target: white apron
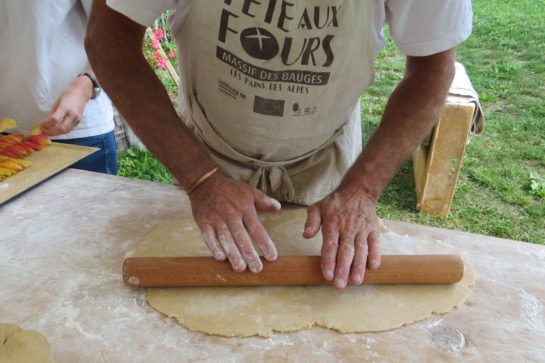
pixel 272 89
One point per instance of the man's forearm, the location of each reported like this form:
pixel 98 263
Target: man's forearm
pixel 411 112
pixel 114 46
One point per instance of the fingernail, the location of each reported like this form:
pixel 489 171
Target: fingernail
pixel 328 274
pixel 270 253
pixel 220 256
pixel 339 283
pixel 358 279
pixel 255 268
pixel 241 265
pixel 276 204
pixel 374 264
pixel 271 256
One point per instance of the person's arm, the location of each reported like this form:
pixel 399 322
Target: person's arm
pixel 67 111
pixel 348 216
pixel 224 209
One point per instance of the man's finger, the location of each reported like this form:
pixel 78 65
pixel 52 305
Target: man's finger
pixel 314 220
pixel 210 239
pixel 71 120
pixel 374 250
pixel 58 123
pixel 357 273
pixel 229 247
pixel 54 119
pixel 329 250
pixel 265 203
pixel 345 256
pixel 245 246
pixel 260 237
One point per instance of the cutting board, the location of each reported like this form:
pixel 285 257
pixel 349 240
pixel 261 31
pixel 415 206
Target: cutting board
pixel 45 163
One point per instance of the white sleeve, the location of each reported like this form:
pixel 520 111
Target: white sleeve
pixel 87 4
pixel 425 27
pixel 143 12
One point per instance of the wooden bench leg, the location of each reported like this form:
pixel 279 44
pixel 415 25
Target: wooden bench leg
pixel 436 167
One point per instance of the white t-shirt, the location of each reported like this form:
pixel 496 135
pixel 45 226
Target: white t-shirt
pixel 272 87
pixel 41 53
pixel 418 27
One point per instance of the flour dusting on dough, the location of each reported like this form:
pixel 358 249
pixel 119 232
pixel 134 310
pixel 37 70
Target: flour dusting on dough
pixel 247 311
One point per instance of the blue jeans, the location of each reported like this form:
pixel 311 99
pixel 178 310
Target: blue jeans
pixel 101 161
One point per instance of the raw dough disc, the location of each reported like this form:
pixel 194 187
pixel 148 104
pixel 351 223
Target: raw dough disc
pixel 23 346
pixel 247 311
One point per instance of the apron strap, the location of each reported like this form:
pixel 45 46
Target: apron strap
pixel 274 179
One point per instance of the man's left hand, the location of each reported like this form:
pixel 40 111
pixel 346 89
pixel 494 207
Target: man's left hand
pixel 350 234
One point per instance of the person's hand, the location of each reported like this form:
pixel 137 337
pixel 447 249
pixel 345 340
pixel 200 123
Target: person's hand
pixel 350 235
pixel 226 212
pixel 68 110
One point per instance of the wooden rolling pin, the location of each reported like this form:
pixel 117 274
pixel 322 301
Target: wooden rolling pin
pixel 286 270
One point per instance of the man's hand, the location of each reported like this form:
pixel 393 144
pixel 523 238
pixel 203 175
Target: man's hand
pixel 350 235
pixel 68 110
pixel 225 211
pixel 348 216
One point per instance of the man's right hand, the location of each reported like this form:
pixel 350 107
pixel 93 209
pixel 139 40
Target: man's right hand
pixel 226 212
pixel 224 209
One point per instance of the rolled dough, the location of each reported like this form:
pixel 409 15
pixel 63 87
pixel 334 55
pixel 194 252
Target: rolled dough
pixel 247 311
pixel 23 346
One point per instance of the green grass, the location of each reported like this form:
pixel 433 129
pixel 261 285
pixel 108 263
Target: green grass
pixel 501 188
pixel 500 191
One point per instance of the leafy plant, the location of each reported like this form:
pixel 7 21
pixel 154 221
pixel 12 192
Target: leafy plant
pixel 537 185
pixel 141 164
pixel 159 48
